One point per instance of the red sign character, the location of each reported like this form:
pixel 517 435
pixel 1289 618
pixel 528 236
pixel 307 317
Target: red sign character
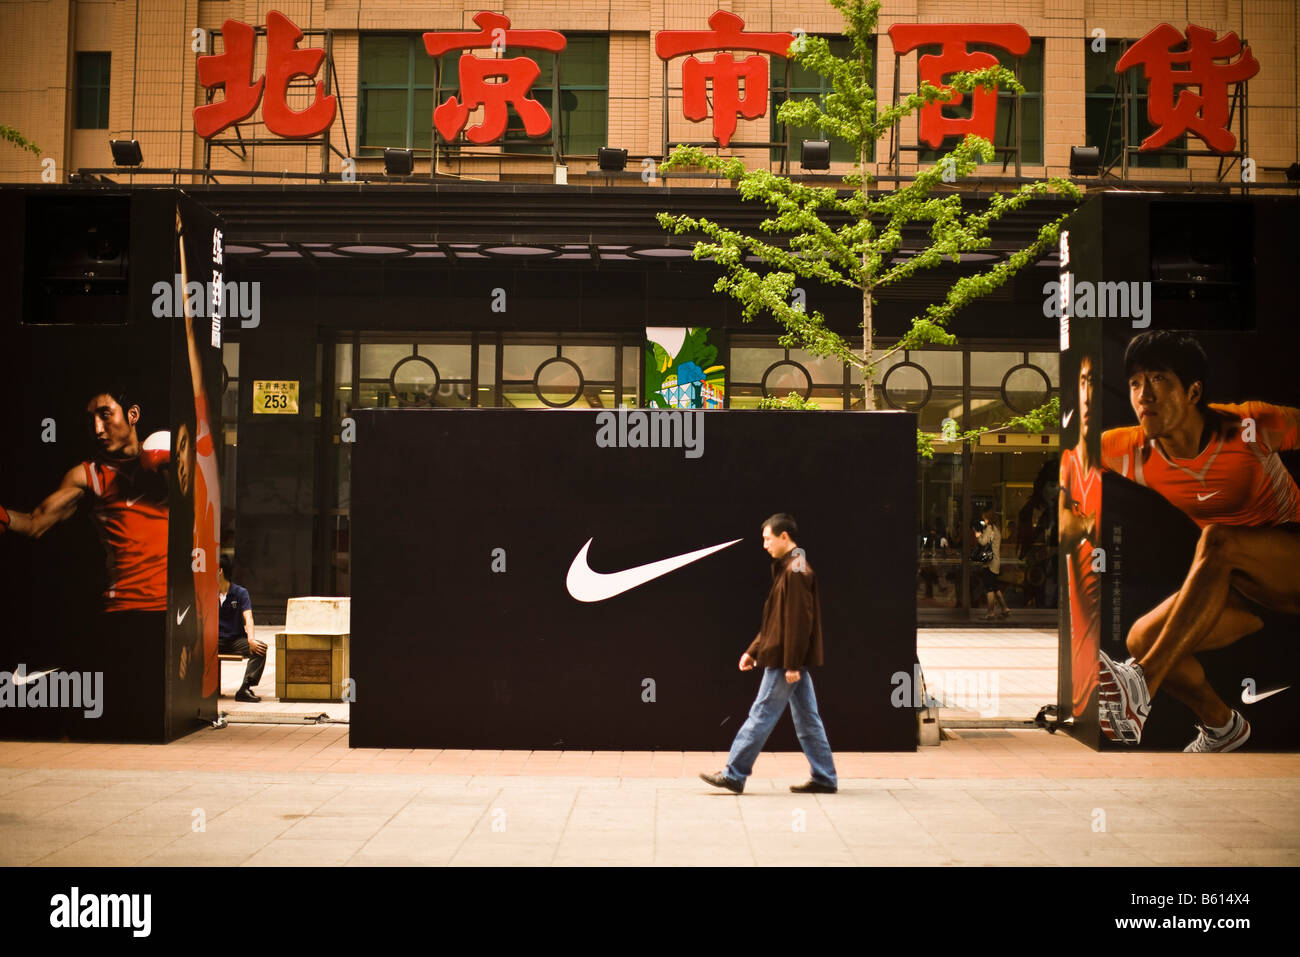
pixel 517 76
pixel 725 72
pixel 955 58
pixel 232 70
pixel 1205 115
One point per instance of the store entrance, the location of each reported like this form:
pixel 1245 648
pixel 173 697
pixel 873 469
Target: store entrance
pixel 1017 484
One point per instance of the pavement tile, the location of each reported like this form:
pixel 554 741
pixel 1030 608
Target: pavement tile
pixel 298 795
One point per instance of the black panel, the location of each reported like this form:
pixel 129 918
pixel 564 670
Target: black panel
pixel 457 655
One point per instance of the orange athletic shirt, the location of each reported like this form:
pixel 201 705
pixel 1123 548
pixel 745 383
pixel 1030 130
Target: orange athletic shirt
pixel 1083 491
pixel 1232 481
pixel 130 510
pixel 207 536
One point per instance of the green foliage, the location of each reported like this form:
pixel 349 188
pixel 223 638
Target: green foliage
pixel 851 237
pixel 11 135
pixel 1045 416
pixel 792 401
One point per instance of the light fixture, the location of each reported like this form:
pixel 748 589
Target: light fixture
pixel 1293 173
pixel 399 162
pixel 611 160
pixel 815 154
pixel 126 152
pixel 1085 160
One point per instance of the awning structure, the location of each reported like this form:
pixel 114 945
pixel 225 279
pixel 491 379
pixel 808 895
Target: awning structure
pixel 507 224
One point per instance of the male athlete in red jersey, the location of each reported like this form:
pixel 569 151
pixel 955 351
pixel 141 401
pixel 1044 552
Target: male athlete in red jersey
pixel 1219 464
pixel 1080 508
pixel 129 506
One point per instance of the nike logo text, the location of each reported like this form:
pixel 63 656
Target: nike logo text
pixel 1202 498
pixel 180 615
pixel 587 585
pixel 1249 697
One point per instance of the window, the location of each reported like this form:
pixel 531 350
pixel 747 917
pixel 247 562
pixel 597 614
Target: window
pixel 584 98
pixel 1031 106
pixel 92 91
pixel 806 85
pixel 396 94
pixel 1104 112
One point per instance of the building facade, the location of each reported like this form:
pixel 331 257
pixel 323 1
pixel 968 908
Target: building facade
pixel 518 273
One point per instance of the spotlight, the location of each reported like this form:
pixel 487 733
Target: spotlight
pixel 815 154
pixel 1293 173
pixel 611 160
pixel 126 152
pixel 399 162
pixel 1085 160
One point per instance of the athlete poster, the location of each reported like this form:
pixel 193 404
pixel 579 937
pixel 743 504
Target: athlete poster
pixel 92 644
pixel 1197 552
pixel 195 296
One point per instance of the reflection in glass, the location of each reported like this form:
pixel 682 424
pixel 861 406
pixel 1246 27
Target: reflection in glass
pixel 414 380
pixel 906 387
pixel 558 381
pixel 784 378
pixel 1025 389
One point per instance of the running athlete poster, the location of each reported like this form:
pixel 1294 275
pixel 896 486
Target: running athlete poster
pixel 1199 541
pixel 91 644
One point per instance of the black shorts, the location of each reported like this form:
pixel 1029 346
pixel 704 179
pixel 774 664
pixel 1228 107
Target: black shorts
pixel 990 579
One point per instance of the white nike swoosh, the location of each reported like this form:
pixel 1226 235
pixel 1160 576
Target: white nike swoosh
pixel 1248 698
pixel 180 615
pixel 1065 422
pixel 587 585
pixel 132 501
pixel 29 678
pixel 1202 498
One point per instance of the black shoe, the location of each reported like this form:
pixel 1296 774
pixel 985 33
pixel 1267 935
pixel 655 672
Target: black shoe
pixel 720 780
pixel 813 787
pixel 243 694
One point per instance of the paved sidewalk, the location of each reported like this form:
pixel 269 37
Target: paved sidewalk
pixel 274 795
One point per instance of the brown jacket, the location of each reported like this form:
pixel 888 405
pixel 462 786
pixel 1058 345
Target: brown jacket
pixel 791 633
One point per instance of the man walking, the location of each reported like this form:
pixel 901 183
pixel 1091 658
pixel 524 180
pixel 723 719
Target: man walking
pixel 237 635
pixel 789 641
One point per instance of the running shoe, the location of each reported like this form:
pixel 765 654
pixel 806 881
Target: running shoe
pixel 1236 735
pixel 1124 701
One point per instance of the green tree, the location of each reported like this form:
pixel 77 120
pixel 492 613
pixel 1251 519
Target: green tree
pixel 849 237
pixel 11 135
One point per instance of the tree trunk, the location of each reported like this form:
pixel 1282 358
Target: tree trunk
pixel 868 393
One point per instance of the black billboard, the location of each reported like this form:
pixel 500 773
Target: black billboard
pixel 534 580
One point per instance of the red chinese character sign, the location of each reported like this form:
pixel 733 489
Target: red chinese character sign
pixel 954 57
pixel 1205 114
pixel 724 70
pixel 232 71
pixel 516 77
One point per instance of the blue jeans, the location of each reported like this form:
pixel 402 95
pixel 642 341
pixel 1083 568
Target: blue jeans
pixel 773 694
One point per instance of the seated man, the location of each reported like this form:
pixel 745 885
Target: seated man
pixel 237 634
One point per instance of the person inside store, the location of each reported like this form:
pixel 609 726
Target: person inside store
pixel 237 634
